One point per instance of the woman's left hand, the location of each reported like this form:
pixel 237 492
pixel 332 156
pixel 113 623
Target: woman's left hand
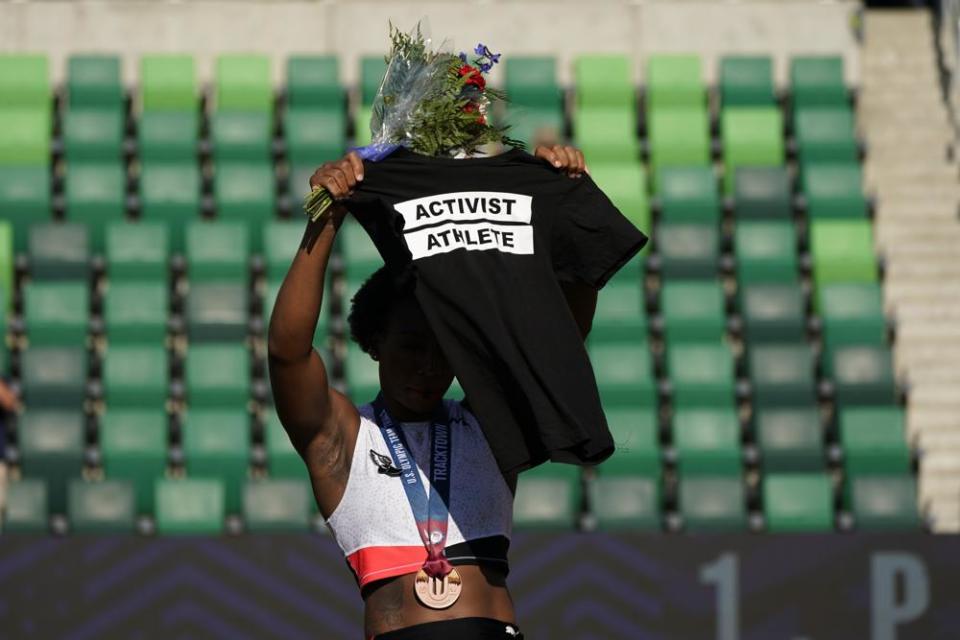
pixel 564 158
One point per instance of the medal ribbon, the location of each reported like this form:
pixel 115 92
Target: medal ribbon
pixel 430 513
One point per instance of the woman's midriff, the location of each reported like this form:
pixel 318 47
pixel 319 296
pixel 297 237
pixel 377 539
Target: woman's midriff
pixel 391 604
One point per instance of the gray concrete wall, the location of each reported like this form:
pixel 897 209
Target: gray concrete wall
pixel 353 28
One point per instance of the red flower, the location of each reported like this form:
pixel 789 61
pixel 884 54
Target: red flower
pixel 469 107
pixel 473 76
pixel 481 120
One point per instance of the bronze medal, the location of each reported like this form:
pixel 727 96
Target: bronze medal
pixel 438 593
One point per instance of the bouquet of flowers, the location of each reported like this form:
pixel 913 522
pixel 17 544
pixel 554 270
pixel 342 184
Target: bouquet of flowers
pixel 433 103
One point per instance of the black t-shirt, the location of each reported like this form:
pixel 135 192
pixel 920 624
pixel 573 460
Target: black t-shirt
pixel 489 240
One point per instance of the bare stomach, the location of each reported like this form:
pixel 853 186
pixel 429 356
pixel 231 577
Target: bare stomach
pixel 391 604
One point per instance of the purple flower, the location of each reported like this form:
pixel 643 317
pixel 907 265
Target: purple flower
pixel 463 57
pixel 494 57
pixel 481 49
pixel 485 67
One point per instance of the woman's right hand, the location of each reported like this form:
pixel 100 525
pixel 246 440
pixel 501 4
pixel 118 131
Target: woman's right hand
pixel 339 178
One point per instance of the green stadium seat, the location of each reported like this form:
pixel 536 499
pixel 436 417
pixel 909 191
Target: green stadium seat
pixel 280 245
pixel 790 439
pixel 852 312
pixel 133 445
pixel 54 376
pixel 277 505
pixel 834 191
pixel 246 193
pixel 604 80
pixel 766 252
pixel 842 251
pixel 25 137
pixel 362 135
pixel 674 81
pixel 701 374
pixel 168 82
pixel 24 201
pixel 781 375
pixel 93 135
pixel 688 194
pixel 191 506
pixel 217 251
pixel 51 447
pixel 24 81
pixel 136 375
pixel 536 126
pixel 713 503
pixel 634 433
pixel 6 267
pixel 548 497
pixel 620 315
pixel 360 255
pixel 693 310
pixel 626 186
pixel 168 136
pixel 216 444
pixel 817 81
pixel 314 82
pixel 679 137
pixel 625 502
pixel 323 325
pixel 59 252
pixel 688 250
pixel 751 136
pixel 101 507
pixel 314 136
pixel 372 70
pixel 96 196
pixel 531 81
pixel 218 375
pixel 136 312
pixel 762 193
pixel 170 194
pixel 283 461
pixel 607 135
pixel 27 510
pixel 298 182
pixel 885 502
pixel 137 251
pixel 362 375
pixel 707 441
pixel 94 82
pixel 862 374
pixel 217 311
pixel 244 136
pixel 772 312
pixel 874 441
pixel 56 313
pixel 746 81
pixel 243 83
pixel 624 373
pixel 797 502
pixel 826 135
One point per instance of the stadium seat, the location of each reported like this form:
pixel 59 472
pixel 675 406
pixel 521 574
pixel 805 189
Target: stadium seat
pixel 314 136
pixel 781 375
pixel 170 195
pixel 772 312
pixel 217 251
pixel 707 441
pixel 24 81
pixel 314 82
pixel 56 313
pixel 751 136
pixel 25 199
pixel 825 135
pixel 59 252
pixel 626 186
pixel 241 136
pixel 192 506
pixel 276 505
pixel 96 196
pixel 217 311
pixel 360 255
pixel 624 373
pixel 101 507
pixel 136 312
pixel 242 83
pixel 372 70
pixel 874 441
pixel 625 502
pixel 27 510
pixel 246 193
pixel 137 252
pixel 679 136
pixel 688 250
pixel 298 182
pixel 216 444
pixel 885 502
pixel 218 375
pixel 51 447
pixel 6 268
pixel 168 82
pixel 362 375
pixel 283 461
pixel 362 133
pixel 168 136
pixel 817 81
pixel 281 243
pixel 842 251
pixel 713 503
pixel 133 445
pixel 762 193
pixel 862 374
pixel 851 312
pixel 54 376
pixel 604 80
pixel 790 439
pixel 323 324
pixel 536 126
pixel 688 194
pixel 692 310
pixel 93 135
pixel 607 135
pixel 548 497
pixel 136 375
pixel 833 191
pixel 701 374
pixel 746 81
pixel 531 81
pixel 797 502
pixel 634 432
pixel 766 252
pixel 620 315
pixel 25 136
pixel 674 81
pixel 94 82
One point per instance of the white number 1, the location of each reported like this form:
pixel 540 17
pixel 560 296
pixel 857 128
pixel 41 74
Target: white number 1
pixel 725 574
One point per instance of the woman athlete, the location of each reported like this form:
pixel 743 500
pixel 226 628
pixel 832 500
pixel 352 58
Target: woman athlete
pixel 353 477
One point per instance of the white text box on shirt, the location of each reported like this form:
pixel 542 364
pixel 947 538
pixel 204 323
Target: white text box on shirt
pixel 466 206
pixel 482 236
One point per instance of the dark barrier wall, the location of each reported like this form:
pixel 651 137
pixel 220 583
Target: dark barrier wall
pixel 576 586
